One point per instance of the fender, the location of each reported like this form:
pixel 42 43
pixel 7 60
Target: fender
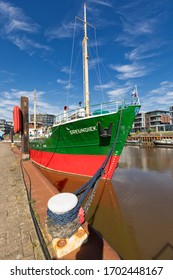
pixel 17 119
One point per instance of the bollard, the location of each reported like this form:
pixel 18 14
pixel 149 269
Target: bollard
pixel 60 204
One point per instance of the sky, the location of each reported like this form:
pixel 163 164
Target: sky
pixel 130 44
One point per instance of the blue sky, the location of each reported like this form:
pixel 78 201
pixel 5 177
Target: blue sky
pixel 135 47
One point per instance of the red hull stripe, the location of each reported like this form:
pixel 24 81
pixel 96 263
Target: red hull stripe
pixel 85 165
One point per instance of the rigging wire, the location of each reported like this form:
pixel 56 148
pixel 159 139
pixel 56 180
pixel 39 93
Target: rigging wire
pixel 77 59
pixel 97 70
pixel 99 73
pixel 99 62
pixel 103 66
pixel 71 61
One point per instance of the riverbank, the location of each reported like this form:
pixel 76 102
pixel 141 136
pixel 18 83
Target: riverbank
pixel 153 135
pixel 18 238
pixel 145 139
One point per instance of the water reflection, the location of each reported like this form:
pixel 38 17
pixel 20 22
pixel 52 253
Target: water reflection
pixel 134 211
pixel 143 185
pixel 147 158
pixel 104 214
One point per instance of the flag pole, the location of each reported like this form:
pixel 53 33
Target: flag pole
pixel 136 90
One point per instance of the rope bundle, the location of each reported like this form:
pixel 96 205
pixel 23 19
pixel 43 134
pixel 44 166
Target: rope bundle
pixel 66 224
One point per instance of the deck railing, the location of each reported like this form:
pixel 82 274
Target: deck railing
pixel 79 112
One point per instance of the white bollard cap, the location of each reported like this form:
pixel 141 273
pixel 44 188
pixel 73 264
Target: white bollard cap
pixel 62 202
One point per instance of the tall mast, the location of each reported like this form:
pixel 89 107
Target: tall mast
pixel 85 65
pixel 35 126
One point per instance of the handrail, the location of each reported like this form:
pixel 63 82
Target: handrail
pixel 97 109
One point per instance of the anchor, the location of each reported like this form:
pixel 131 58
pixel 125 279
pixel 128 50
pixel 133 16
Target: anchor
pixel 105 134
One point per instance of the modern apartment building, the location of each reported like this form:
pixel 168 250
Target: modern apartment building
pixel 158 120
pixel 44 119
pixel 5 126
pixel 140 122
pixel 171 114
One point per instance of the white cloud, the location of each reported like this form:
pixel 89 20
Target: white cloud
pixel 15 27
pixel 9 99
pixel 139 28
pixel 140 22
pixel 128 71
pixel 23 43
pixel 170 93
pixel 6 77
pixel 102 3
pixel 114 91
pixel 120 92
pixel 145 51
pixel 160 98
pixel 105 86
pixel 19 25
pixel 67 85
pixel 68 28
pixel 13 19
pixel 64 31
pixel 139 18
pixel 62 82
pixel 65 69
pixel 94 62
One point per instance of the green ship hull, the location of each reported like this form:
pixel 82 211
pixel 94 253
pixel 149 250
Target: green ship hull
pixel 79 145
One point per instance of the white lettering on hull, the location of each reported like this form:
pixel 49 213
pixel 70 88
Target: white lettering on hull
pixel 83 130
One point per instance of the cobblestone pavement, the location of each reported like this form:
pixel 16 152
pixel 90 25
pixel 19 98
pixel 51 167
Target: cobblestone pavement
pixel 18 239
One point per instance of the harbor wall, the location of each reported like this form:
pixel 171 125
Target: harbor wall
pixel 146 139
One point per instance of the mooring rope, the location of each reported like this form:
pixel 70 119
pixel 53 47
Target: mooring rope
pixel 65 224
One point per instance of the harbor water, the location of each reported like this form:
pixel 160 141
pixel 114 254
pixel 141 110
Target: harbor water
pixel 134 210
pixel 143 185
